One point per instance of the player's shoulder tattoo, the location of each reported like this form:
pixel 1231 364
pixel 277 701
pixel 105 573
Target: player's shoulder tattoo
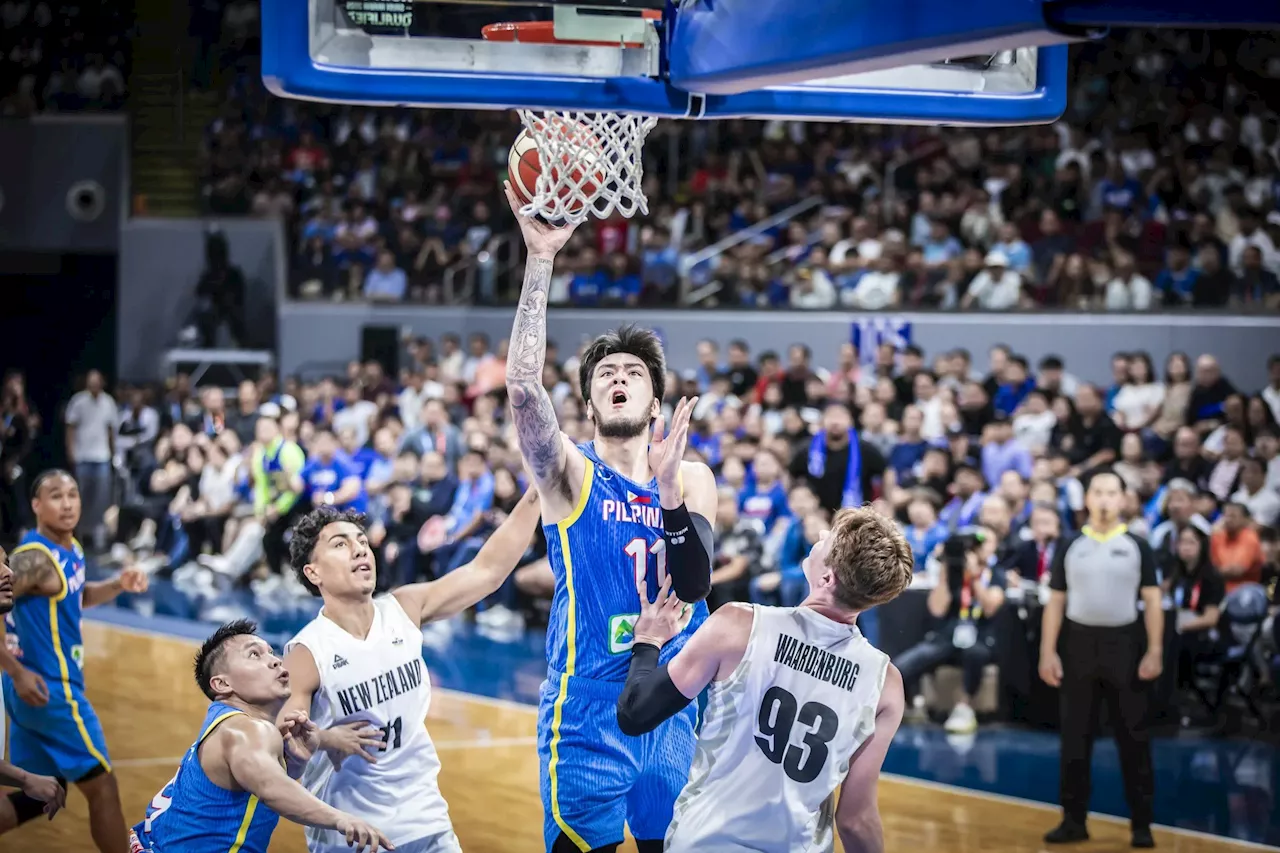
pixel 32 569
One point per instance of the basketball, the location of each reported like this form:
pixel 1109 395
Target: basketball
pixel 569 172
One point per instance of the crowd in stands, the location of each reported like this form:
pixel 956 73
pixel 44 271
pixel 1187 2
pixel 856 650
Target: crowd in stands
pixel 62 56
pixel 1160 188
pixel 207 485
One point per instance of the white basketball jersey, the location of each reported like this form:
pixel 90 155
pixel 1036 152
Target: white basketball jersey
pixel 778 736
pixel 381 679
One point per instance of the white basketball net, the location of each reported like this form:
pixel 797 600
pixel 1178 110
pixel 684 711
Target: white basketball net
pixel 591 164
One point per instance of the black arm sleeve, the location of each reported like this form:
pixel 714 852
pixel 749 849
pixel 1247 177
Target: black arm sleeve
pixel 690 546
pixel 649 696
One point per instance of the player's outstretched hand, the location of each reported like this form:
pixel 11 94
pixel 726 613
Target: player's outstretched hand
pixel 662 618
pixel 666 453
pixel 363 836
pixel 134 580
pixel 301 735
pixel 539 237
pixel 47 790
pixel 356 738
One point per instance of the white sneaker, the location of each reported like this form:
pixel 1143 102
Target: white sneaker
pixel 495 615
pixel 917 713
pixel 962 720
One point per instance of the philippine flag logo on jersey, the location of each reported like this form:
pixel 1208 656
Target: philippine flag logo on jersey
pixel 633 498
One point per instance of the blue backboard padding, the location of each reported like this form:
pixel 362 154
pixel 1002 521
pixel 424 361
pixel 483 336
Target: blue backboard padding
pixel 1046 103
pixel 289 71
pixel 727 47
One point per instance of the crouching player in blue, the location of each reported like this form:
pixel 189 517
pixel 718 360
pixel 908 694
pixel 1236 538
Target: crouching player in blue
pixel 53 730
pixel 238 778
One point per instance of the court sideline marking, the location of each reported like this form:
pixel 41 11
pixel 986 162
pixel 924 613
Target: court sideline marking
pixel 510 704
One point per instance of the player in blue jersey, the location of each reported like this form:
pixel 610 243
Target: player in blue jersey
pixel 622 501
pixel 53 730
pixel 330 478
pixel 238 778
pixel 45 789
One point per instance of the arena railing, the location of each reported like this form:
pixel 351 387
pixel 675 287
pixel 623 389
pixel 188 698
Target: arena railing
pixel 689 262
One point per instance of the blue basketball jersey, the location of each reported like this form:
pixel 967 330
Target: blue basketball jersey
pixel 615 525
pixel 320 476
pixel 44 633
pixel 193 815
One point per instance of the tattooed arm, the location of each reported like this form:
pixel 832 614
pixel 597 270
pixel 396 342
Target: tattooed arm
pixel 547 452
pixel 34 574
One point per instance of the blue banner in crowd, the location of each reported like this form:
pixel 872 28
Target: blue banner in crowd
pixel 870 332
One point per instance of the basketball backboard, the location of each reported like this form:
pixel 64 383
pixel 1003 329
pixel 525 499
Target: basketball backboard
pixel 686 61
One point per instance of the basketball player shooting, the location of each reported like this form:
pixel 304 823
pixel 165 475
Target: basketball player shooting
pixel 799 700
pixel 237 779
pixel 622 504
pixel 358 672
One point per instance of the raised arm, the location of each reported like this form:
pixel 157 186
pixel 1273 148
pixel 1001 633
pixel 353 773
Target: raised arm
pixel 470 584
pixel 544 447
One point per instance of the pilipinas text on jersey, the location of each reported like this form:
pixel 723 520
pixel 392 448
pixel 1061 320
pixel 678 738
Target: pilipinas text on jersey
pixel 615 527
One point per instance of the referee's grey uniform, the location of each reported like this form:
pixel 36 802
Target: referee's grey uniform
pixel 1102 642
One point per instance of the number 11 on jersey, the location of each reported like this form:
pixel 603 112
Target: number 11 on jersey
pixel 639 549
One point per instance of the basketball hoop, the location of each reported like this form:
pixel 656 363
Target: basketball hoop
pixel 592 162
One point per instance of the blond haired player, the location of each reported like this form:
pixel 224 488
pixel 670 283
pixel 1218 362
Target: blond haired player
pixel 799 702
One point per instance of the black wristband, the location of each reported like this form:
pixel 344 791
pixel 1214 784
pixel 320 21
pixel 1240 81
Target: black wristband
pixel 676 524
pixel 689 553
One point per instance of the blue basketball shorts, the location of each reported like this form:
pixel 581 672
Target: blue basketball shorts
pixel 595 779
pixel 62 739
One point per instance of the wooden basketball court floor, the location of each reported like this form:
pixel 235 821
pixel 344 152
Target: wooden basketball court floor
pixel 141 686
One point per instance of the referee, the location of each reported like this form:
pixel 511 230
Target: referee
pixel 1096 580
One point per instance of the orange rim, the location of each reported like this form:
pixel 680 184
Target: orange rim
pixel 544 32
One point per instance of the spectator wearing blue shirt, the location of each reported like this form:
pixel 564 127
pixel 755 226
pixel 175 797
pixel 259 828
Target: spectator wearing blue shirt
pixel 923 532
pixel 966 500
pixel 763 496
pixel 1016 383
pixel 1002 452
pixel 386 282
pixel 330 478
pixel 1118 191
pixel 1177 281
pixel 621 285
pixel 786 585
pixel 1013 247
pixel 588 285
pixel 454 538
pixel 372 462
pixel 942 247
pixel 910 447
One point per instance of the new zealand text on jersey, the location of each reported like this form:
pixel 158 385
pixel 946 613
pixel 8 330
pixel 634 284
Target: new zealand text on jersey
pixel 381 688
